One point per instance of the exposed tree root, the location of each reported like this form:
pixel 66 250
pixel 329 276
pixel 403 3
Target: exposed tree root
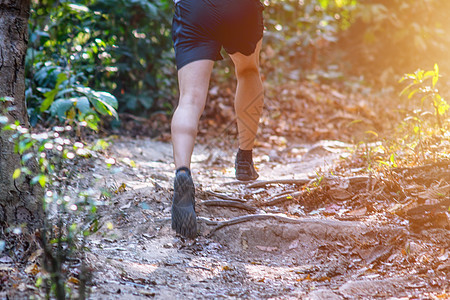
pixel 229 203
pixel 259 217
pixel 351 180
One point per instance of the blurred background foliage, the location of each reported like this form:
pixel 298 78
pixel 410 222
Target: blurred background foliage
pixel 121 50
pixel 119 46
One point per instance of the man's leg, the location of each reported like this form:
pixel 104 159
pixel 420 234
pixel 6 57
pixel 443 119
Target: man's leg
pixel 194 82
pixel 249 101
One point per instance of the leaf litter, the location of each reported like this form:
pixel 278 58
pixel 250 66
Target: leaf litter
pixel 316 225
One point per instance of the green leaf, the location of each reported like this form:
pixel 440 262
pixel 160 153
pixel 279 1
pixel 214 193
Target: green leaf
pixel 16 173
pixel 39 282
pixel 435 75
pixel 92 120
pixel 406 89
pixel 406 77
pixel 60 79
pixel 104 104
pixel 49 97
pixel 41 179
pixel 428 74
pixel 63 92
pixel 413 92
pixel 372 133
pixel 392 160
pixel 24 145
pixel 381 162
pixel 82 104
pixel 27 157
pixel 443 107
pixel 324 3
pixel 108 98
pixel 60 107
pixel 6 99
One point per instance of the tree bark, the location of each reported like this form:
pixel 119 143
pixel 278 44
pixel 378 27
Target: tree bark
pixel 19 202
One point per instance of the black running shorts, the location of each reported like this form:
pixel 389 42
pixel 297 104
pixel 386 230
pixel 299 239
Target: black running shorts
pixel 201 27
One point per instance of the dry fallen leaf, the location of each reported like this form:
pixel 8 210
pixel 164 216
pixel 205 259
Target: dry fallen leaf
pixel 32 269
pixel 226 268
pixel 74 280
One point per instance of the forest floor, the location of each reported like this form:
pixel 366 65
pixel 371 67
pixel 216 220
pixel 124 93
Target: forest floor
pixel 317 224
pixel 271 238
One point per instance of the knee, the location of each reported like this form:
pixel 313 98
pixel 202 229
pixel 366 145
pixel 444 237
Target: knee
pixel 247 71
pixel 192 100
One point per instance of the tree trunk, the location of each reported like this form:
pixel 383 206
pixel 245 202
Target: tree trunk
pixel 19 202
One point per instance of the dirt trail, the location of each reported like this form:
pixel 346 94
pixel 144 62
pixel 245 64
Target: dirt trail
pixel 286 251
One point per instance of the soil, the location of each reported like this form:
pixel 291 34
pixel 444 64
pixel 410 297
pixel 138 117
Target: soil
pixel 319 223
pixel 299 247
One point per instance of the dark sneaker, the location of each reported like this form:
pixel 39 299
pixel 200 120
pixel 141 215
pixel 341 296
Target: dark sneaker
pixel 184 220
pixel 245 170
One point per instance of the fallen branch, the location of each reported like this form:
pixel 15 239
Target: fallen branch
pixel 229 203
pixel 224 196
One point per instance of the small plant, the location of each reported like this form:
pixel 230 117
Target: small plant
pixel 423 93
pixel 70 209
pixel 420 90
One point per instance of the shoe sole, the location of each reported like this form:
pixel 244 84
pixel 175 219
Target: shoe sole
pixel 246 178
pixel 184 221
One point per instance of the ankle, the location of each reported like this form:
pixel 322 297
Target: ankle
pixel 245 155
pixel 183 169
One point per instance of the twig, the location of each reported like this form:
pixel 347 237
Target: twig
pixel 280 198
pixel 224 196
pixel 229 203
pixel 279 181
pixel 287 192
pixel 259 217
pixel 207 221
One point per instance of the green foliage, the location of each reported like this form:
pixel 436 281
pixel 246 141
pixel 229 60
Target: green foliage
pixel 423 94
pixel 120 46
pixel 67 99
pixel 422 136
pixel 388 37
pixel 141 50
pixel 420 90
pixel 298 33
pixel 51 159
